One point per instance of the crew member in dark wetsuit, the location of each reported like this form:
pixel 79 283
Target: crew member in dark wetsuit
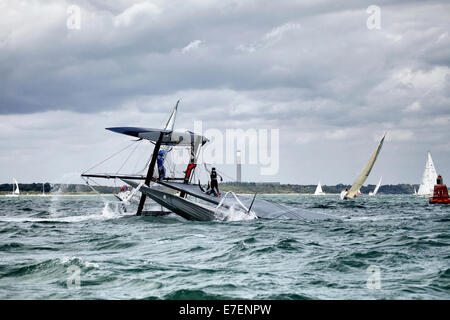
pixel 214 183
pixel 161 170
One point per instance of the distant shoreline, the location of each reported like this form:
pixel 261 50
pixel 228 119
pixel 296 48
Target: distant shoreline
pixel 249 188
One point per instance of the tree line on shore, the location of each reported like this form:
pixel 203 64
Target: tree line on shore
pixel 251 187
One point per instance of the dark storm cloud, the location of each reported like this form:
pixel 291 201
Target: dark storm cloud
pixel 312 68
pixel 135 48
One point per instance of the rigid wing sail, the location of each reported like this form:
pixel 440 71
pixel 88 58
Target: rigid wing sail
pixel 350 194
pixel 171 138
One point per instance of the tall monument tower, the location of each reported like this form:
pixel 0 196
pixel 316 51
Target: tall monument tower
pixel 238 167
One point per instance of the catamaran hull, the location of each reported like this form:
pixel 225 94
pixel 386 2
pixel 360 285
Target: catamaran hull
pixel 180 206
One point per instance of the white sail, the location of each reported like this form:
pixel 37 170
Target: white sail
pixel 319 190
pixel 376 188
pixel 428 179
pixel 365 173
pixel 16 191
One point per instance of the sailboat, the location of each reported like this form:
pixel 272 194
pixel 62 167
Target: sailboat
pixel 319 191
pixel 188 199
pixel 376 188
pixel 16 191
pixel 43 191
pixel 428 178
pixel 353 192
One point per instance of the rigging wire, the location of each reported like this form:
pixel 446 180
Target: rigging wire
pixel 138 161
pixel 113 155
pixel 126 160
pixel 93 189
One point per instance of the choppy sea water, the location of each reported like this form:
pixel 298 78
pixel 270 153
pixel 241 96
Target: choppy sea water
pixel 80 247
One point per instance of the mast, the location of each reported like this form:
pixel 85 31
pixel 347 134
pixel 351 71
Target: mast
pixel 150 171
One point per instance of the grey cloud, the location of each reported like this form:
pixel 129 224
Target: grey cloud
pixel 314 69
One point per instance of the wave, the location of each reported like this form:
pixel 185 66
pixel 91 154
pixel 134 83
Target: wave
pixel 107 213
pixel 53 268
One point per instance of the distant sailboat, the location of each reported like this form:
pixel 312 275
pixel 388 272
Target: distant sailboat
pixel 353 192
pixel 16 191
pixel 428 178
pixel 415 191
pixel 43 191
pixel 376 188
pixel 319 191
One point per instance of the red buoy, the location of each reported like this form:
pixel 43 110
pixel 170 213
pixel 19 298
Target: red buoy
pixel 440 194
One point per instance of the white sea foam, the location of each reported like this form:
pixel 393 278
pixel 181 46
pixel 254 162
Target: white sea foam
pixel 70 260
pixel 233 214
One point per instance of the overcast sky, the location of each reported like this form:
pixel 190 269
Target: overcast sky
pixel 312 69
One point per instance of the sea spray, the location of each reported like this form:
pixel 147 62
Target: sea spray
pixel 234 214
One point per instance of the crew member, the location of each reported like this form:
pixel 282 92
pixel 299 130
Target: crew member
pixel 214 183
pixel 160 160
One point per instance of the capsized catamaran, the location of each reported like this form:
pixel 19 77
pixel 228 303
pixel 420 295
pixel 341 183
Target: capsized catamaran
pixel 186 199
pixel 353 192
pixel 376 188
pixel 428 178
pixel 16 191
pixel 319 191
